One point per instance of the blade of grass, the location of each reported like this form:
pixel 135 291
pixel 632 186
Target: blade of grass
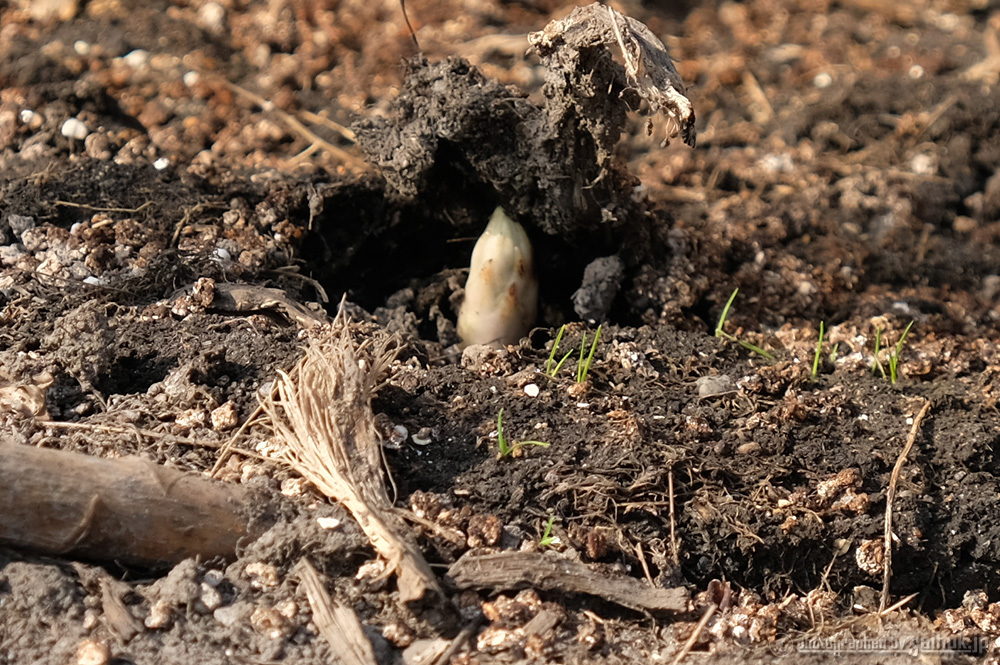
pixel 501 441
pixel 584 368
pixel 509 448
pixel 756 349
pixel 894 358
pixel 819 350
pixel 555 348
pixel 719 332
pixel 725 314
pixel 561 362
pixel 547 539
pixel 877 364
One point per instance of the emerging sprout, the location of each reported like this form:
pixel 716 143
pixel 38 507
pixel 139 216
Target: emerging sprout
pixel 512 448
pixel 501 294
pixel 547 539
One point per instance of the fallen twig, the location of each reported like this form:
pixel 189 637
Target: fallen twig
pixel 510 570
pixel 890 499
pixel 247 298
pixel 295 125
pixel 230 446
pixel 899 603
pixel 457 643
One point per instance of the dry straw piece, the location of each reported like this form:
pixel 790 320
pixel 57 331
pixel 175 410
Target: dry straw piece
pixel 324 418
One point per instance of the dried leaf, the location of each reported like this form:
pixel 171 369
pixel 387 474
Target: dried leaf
pixel 26 399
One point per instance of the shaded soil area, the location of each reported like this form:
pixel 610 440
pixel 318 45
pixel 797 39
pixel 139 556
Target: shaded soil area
pixel 188 188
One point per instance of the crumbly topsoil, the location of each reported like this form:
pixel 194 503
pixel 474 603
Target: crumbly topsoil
pixel 847 171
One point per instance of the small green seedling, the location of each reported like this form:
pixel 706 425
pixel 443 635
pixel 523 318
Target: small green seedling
pixel 550 369
pixel 893 374
pixel 511 447
pixel 894 358
pixel 719 332
pixel 877 365
pixel 583 367
pixel 725 314
pixel 547 539
pixel 819 350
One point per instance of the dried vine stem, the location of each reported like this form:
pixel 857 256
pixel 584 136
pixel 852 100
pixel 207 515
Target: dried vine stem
pixel 324 418
pixel 890 499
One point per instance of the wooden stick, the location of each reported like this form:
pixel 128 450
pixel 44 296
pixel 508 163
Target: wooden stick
pixel 470 628
pixel 890 499
pixel 128 510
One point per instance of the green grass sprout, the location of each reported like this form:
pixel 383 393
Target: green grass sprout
pixel 819 350
pixel 550 369
pixel 547 539
pixel 877 364
pixel 894 358
pixel 756 349
pixel 725 314
pixel 583 367
pixel 511 447
pixel 719 332
pixel 505 448
pixel 833 354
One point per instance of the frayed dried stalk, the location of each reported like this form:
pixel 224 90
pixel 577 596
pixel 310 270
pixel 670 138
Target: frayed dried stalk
pixel 324 417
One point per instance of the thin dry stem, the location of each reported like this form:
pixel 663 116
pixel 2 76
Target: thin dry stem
pixel 890 499
pixel 898 604
pixel 674 547
pixel 709 611
pixel 457 643
pixel 229 446
pixel 297 126
pixel 139 432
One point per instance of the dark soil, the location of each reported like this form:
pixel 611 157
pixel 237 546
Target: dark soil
pixel 847 171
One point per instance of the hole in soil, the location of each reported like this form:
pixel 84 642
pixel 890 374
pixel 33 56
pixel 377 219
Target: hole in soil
pixel 134 374
pixel 371 248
